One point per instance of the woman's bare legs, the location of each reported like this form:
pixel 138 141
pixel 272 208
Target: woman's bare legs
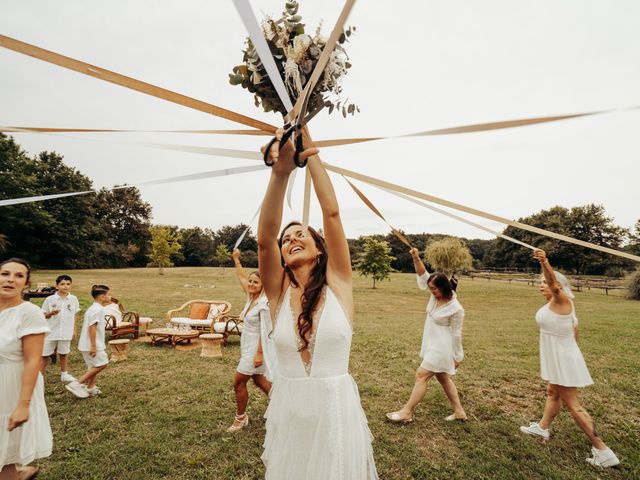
pixel 569 395
pixel 452 394
pixel 551 406
pixel 417 394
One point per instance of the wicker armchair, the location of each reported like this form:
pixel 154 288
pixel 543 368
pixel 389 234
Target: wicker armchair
pixel 198 314
pixel 121 322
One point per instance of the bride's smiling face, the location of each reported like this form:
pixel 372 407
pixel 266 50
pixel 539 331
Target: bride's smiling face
pixel 298 247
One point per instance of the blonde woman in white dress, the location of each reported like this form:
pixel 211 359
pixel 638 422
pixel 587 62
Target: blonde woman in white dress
pixel 562 363
pixel 441 350
pixel 25 432
pixel 316 429
pixel 255 360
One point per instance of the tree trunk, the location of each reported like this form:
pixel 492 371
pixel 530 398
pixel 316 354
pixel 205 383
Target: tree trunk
pixel 374 283
pixel 160 271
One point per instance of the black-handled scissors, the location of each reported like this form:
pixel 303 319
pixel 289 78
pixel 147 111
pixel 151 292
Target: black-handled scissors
pixel 294 129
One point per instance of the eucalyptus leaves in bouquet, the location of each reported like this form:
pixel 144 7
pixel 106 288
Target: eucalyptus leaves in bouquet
pixel 296 54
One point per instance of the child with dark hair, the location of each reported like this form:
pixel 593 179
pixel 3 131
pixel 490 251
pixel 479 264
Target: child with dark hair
pixel 92 344
pixel 441 342
pixel 60 310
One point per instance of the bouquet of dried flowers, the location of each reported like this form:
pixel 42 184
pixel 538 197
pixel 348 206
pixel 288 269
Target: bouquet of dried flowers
pixel 296 54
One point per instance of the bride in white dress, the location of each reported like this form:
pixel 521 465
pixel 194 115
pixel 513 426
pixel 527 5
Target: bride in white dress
pixel 316 428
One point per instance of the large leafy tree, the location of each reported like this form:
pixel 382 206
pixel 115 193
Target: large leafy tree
pixel 94 230
pixel 375 260
pixel 448 255
pixel 124 223
pixel 198 246
pixel 588 222
pixel 54 233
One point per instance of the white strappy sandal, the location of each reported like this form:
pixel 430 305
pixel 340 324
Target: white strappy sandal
pixel 244 421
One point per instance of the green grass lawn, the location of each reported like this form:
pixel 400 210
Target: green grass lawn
pixel 163 413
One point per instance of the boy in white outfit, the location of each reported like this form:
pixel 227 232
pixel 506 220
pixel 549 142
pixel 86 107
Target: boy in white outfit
pixel 92 344
pixel 60 310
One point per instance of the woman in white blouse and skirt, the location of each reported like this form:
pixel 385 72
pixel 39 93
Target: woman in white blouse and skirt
pixel 256 361
pixel 441 343
pixel 562 363
pixel 25 432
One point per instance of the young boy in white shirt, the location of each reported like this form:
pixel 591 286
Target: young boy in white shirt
pixel 92 344
pixel 60 310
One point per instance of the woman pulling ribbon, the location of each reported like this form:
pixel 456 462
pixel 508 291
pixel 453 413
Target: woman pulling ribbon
pixel 316 428
pixel 255 361
pixel 441 343
pixel 562 363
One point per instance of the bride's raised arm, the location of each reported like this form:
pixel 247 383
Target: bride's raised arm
pixel 339 259
pixel 270 266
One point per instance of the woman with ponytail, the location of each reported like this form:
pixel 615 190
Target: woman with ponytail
pixel 316 428
pixel 441 342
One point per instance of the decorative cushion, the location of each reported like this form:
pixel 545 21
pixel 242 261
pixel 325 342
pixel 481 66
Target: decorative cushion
pixel 122 324
pixel 199 311
pixel 216 310
pixel 192 322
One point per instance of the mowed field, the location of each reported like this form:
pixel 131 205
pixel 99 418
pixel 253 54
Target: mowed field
pixel 163 412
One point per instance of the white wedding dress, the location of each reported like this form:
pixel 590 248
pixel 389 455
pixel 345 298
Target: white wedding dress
pixel 316 428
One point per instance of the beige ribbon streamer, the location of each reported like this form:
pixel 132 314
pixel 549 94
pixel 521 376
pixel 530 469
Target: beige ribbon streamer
pixel 182 178
pixel 14 129
pixel 476 212
pixel 128 82
pixel 457 217
pixel 373 208
pixel 306 203
pixel 479 127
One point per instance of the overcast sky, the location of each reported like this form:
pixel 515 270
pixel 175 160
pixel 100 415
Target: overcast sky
pixel 417 65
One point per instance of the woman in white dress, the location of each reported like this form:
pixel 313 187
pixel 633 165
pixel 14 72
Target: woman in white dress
pixel 255 362
pixel 562 363
pixel 441 350
pixel 25 433
pixel 316 428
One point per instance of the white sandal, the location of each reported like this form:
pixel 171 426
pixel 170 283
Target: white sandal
pixel 244 421
pixel 396 418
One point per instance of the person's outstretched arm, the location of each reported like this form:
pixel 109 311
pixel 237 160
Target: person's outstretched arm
pixel 339 264
pixel 271 270
pixel 421 270
pixel 559 298
pixel 240 273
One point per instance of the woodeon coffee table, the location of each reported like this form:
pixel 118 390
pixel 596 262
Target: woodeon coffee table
pixel 171 335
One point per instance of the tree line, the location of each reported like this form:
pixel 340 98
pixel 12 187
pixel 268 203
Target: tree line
pixel 112 229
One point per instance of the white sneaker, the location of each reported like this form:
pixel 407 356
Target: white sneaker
pixel 77 389
pixel 535 429
pixel 603 458
pixel 66 377
pixel 93 391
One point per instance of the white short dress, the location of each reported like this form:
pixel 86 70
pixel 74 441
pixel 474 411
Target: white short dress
pixel 561 361
pixel 256 327
pixel 33 439
pixel 316 428
pixel 442 335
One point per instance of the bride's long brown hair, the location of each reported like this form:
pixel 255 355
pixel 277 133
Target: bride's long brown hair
pixel 313 288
